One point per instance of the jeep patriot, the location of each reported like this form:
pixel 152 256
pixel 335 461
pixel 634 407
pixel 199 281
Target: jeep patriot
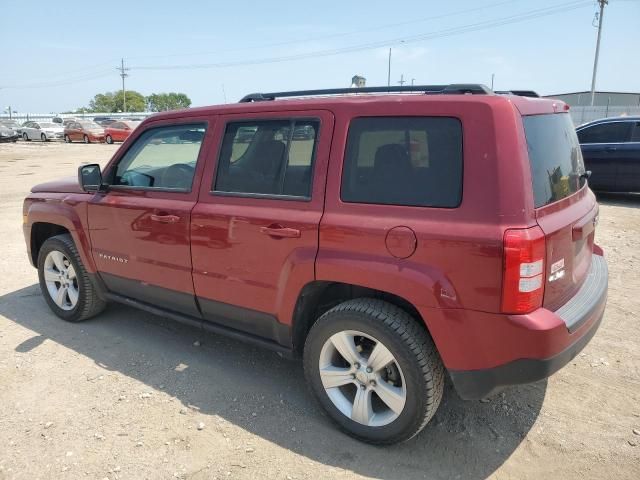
pixel 387 238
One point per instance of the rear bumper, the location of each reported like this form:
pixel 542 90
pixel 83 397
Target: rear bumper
pixel 581 316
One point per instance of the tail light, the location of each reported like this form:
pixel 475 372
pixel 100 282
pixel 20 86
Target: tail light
pixel 524 270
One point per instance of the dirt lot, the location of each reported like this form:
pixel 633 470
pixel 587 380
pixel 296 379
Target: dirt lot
pixel 124 395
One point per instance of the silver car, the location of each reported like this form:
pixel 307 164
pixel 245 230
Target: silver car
pixel 44 131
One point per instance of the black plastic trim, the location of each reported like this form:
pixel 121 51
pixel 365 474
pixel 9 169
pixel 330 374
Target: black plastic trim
pixel 251 321
pixel 251 326
pixel 199 323
pixel 179 302
pixel 478 384
pixel 452 89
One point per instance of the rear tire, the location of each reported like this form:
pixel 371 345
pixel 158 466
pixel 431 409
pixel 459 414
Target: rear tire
pixel 108 139
pixel 400 397
pixel 60 268
pixel 85 139
pixel 67 139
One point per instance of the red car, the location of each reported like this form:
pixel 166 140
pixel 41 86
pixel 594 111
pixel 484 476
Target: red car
pixel 119 131
pixel 83 131
pixel 402 238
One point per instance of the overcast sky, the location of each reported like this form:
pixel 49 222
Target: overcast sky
pixel 56 56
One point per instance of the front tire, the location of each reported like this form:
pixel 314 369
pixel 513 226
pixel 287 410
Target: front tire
pixel 43 137
pixel 109 139
pixel 65 283
pixel 67 139
pixel 85 139
pixel 375 370
pixel 25 137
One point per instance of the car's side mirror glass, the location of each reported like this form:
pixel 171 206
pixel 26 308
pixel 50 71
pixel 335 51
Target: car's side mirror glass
pixel 90 177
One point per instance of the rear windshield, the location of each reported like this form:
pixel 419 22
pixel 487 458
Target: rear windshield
pixel 554 156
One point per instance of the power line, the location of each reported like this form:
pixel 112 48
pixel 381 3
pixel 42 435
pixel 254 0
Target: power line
pixel 530 15
pixel 61 82
pixel 331 36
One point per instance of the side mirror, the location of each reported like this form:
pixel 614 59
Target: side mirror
pixel 90 177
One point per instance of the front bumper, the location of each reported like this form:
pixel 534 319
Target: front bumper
pixel 581 316
pixel 11 138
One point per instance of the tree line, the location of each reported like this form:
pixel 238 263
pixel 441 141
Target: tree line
pixel 113 102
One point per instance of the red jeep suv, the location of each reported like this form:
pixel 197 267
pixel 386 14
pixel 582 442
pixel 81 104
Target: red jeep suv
pixel 387 238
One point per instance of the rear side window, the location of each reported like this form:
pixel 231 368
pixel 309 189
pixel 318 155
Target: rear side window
pixel 272 157
pixel 554 157
pixel 612 132
pixel 411 161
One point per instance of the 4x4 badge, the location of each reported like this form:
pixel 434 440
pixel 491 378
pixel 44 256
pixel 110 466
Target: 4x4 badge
pixel 557 270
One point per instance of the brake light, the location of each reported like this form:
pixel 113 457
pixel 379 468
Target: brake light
pixel 523 279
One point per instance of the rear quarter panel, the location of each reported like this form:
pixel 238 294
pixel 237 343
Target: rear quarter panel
pixel 458 260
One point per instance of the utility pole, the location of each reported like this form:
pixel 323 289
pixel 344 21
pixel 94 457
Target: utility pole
pixel 402 80
pixel 412 80
pixel 493 75
pixel 389 70
pixel 124 75
pixel 595 60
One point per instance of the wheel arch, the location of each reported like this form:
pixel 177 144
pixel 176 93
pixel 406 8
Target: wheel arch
pixel 319 296
pixel 40 232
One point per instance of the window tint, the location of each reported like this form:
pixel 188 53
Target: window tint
pixel 635 136
pixel 273 157
pixel 414 161
pixel 612 132
pixel 554 157
pixel 162 158
pixel 117 125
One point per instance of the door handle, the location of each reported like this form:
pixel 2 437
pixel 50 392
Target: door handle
pixel 165 218
pixel 280 232
pixel 610 149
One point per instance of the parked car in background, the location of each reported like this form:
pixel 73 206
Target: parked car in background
pixel 8 134
pixel 104 121
pixel 83 131
pixel 119 131
pixel 611 151
pixel 44 131
pixel 10 124
pixel 68 121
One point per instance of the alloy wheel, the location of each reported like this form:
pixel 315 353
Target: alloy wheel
pixel 362 378
pixel 61 281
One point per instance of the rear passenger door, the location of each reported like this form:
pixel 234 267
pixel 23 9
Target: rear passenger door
pixel 629 169
pixel 254 231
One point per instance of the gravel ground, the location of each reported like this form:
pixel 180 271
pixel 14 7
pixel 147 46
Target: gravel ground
pixel 130 395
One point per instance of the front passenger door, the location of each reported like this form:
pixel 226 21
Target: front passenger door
pixel 139 227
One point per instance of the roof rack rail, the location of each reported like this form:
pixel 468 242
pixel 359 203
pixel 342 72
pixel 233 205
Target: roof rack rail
pixel 452 89
pixel 520 93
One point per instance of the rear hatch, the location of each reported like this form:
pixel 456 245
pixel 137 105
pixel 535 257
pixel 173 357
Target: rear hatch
pixel 566 210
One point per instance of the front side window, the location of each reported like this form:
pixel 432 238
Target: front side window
pixel 411 161
pixel 163 158
pixel 613 132
pixel 270 157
